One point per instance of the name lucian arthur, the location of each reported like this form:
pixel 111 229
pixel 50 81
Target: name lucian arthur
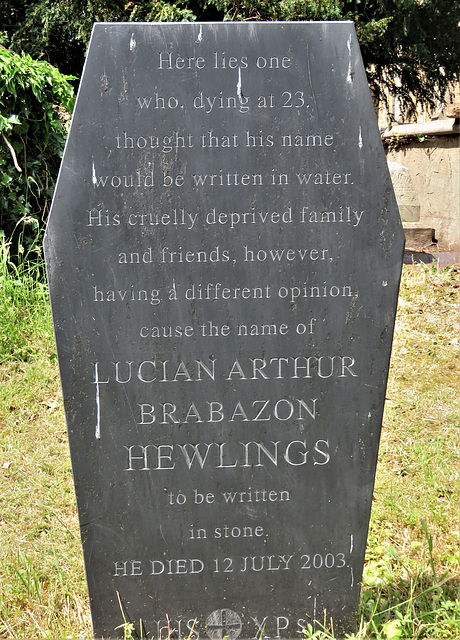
pixel 293 451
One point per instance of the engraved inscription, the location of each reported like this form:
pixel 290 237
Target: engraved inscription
pixel 220 233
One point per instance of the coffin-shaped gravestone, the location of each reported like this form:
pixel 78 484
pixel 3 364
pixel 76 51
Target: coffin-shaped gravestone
pixel 223 253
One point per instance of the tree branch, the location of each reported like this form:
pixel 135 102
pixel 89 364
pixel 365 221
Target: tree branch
pixel 13 154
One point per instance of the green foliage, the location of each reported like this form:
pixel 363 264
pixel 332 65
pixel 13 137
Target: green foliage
pixel 160 11
pixel 282 10
pixel 60 30
pixel 410 47
pixel 35 99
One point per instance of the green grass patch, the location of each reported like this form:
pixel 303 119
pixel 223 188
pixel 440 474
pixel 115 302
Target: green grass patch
pixel 412 574
pixel 24 306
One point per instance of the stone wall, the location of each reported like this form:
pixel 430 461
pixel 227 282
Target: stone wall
pixel 433 162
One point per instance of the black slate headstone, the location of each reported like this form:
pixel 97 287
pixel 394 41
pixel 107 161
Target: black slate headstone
pixel 223 253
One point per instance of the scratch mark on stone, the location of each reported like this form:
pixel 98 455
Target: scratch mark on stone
pixel 132 43
pixel 360 138
pixel 98 404
pixel 239 87
pixel 98 382
pixel 314 614
pixel 200 34
pixel 351 543
pixel 161 531
pixel 94 179
pixel 349 74
pixel 309 80
pixel 352 577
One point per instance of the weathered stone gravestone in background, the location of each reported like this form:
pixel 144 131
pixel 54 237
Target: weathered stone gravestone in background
pixel 406 195
pixel 223 254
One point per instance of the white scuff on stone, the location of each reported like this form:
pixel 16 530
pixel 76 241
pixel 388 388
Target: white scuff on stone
pixel 239 86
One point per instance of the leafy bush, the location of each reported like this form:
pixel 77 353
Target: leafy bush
pixel 35 103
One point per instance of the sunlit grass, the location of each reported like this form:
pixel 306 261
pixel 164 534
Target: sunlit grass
pixel 24 307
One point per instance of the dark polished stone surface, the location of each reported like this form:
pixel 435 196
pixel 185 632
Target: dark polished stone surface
pixel 224 252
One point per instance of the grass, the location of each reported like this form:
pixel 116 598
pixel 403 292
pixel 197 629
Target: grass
pixel 24 309
pixel 412 572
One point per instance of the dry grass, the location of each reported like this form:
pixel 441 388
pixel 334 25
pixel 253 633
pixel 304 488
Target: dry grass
pixel 419 466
